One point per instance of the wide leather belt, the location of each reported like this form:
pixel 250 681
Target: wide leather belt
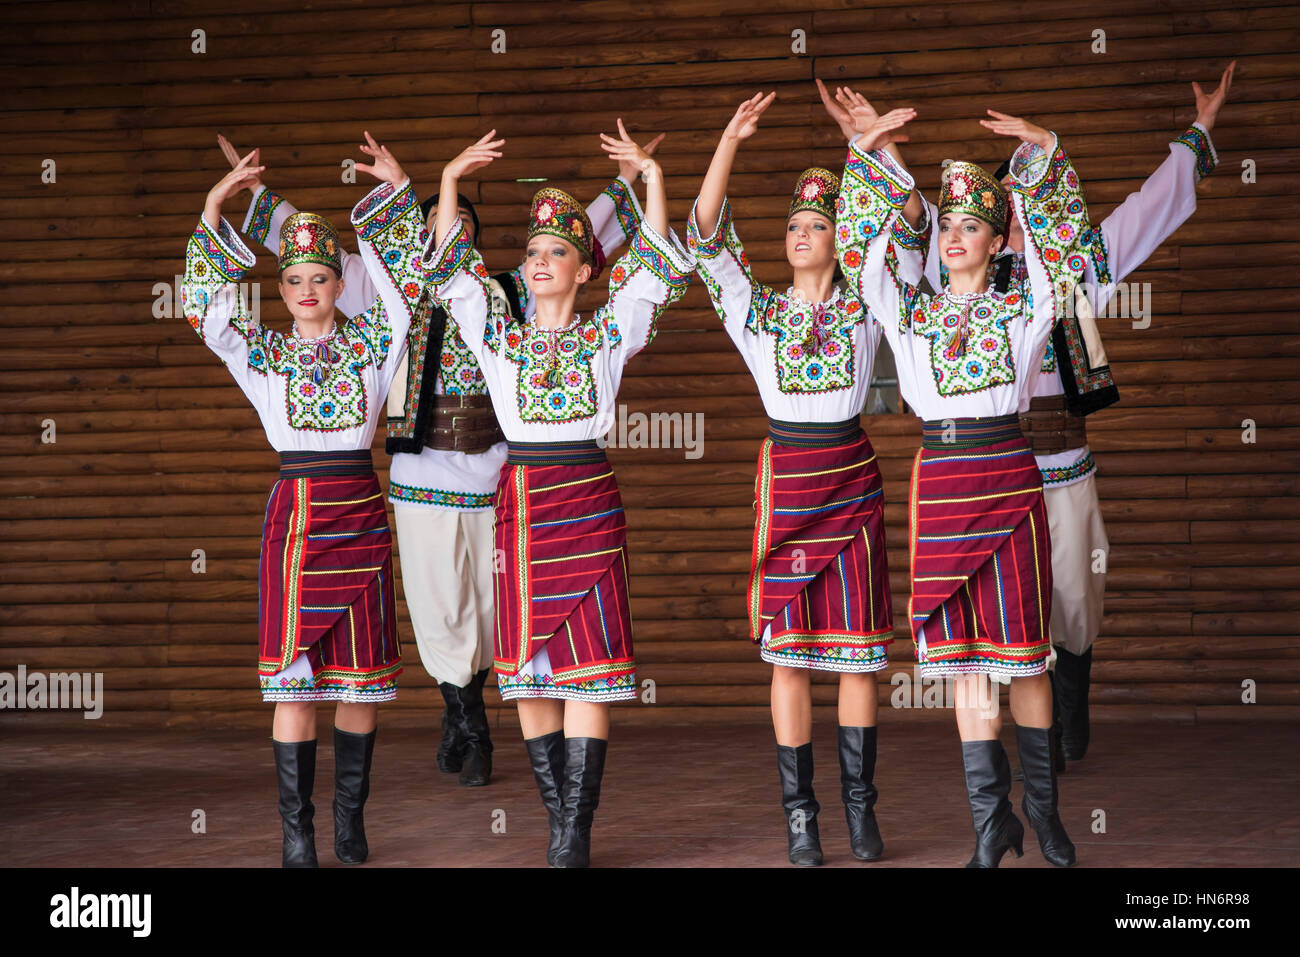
pixel 1050 427
pixel 463 423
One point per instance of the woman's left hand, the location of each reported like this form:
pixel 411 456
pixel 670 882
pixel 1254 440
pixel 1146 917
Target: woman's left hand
pixel 385 166
pixel 630 170
pixel 1006 125
pixel 629 155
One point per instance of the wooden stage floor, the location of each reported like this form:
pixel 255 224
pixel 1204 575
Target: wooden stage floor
pixel 1210 795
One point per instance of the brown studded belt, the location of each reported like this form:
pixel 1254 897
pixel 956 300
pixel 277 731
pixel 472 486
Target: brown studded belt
pixel 463 423
pixel 1049 427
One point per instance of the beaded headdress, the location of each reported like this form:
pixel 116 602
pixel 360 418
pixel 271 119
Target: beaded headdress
pixel 308 238
pixel 969 189
pixel 816 189
pixel 556 213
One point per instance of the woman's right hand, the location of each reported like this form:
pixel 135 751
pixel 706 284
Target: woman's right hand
pixel 473 157
pixel 745 122
pixel 230 184
pixel 881 133
pixel 232 156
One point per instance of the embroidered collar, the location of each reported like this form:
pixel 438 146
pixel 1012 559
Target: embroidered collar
pixel 329 335
pixel 573 324
pixel 792 293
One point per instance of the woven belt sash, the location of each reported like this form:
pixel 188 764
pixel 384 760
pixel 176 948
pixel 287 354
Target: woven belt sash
pixel 463 423
pixel 295 465
pixel 554 453
pixel 1050 427
pixel 813 435
pixel 969 433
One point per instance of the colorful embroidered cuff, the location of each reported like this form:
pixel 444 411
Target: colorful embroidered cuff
pixel 381 207
pixel 224 250
pixel 1035 173
pixel 708 248
pixel 1197 139
pixel 626 207
pixel 880 173
pixel 257 224
pixel 671 264
pixel 442 262
pixel 905 237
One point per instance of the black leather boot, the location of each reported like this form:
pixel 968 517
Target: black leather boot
pixel 1074 676
pixel 1039 804
pixel 352 755
pixel 451 749
pixel 584 766
pixel 800 804
pixel 988 784
pixel 1058 752
pixel 476 770
pixel 546 754
pixel 295 769
pixel 857 768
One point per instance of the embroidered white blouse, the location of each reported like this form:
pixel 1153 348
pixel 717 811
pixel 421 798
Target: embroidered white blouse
pixel 562 385
pixel 961 355
pixel 312 395
pixel 1124 240
pixel 812 362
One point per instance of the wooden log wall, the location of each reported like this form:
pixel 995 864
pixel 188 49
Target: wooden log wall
pixel 156 453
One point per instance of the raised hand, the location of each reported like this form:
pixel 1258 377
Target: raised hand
pixel 859 109
pixel 232 157
pixel 1207 107
pixel 881 133
pixel 745 121
pixel 1006 125
pixel 629 170
pixel 230 184
pixel 629 155
pixel 626 151
pixel 385 166
pixel 474 157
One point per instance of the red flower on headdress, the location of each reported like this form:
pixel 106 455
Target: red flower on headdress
pixel 545 211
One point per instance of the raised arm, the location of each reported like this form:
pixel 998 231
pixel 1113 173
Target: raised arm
pixel 655 271
pixel 1048 197
pixel 873 191
pixel 216 260
pixel 1146 218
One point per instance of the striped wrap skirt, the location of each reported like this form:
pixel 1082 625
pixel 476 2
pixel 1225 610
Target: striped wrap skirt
pixel 819 579
pixel 563 625
pixel 327 623
pixel 980 551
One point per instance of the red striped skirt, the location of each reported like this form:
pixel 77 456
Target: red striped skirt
pixel 980 559
pixel 325 592
pixel 819 577
pixel 562 585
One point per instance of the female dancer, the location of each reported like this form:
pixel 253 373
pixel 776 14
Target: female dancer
pixel 326 617
pixel 979 542
pixel 562 629
pixel 819 582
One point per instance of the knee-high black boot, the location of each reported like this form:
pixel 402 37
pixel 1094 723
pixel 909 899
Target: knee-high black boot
pixel 295 769
pixel 1074 676
pixel 858 792
pixel 801 808
pixel 1039 804
pixel 451 749
pixel 352 755
pixel 546 754
pixel 476 770
pixel 584 766
pixel 988 784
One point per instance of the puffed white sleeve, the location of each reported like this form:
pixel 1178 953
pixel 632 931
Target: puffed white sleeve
pixel 649 277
